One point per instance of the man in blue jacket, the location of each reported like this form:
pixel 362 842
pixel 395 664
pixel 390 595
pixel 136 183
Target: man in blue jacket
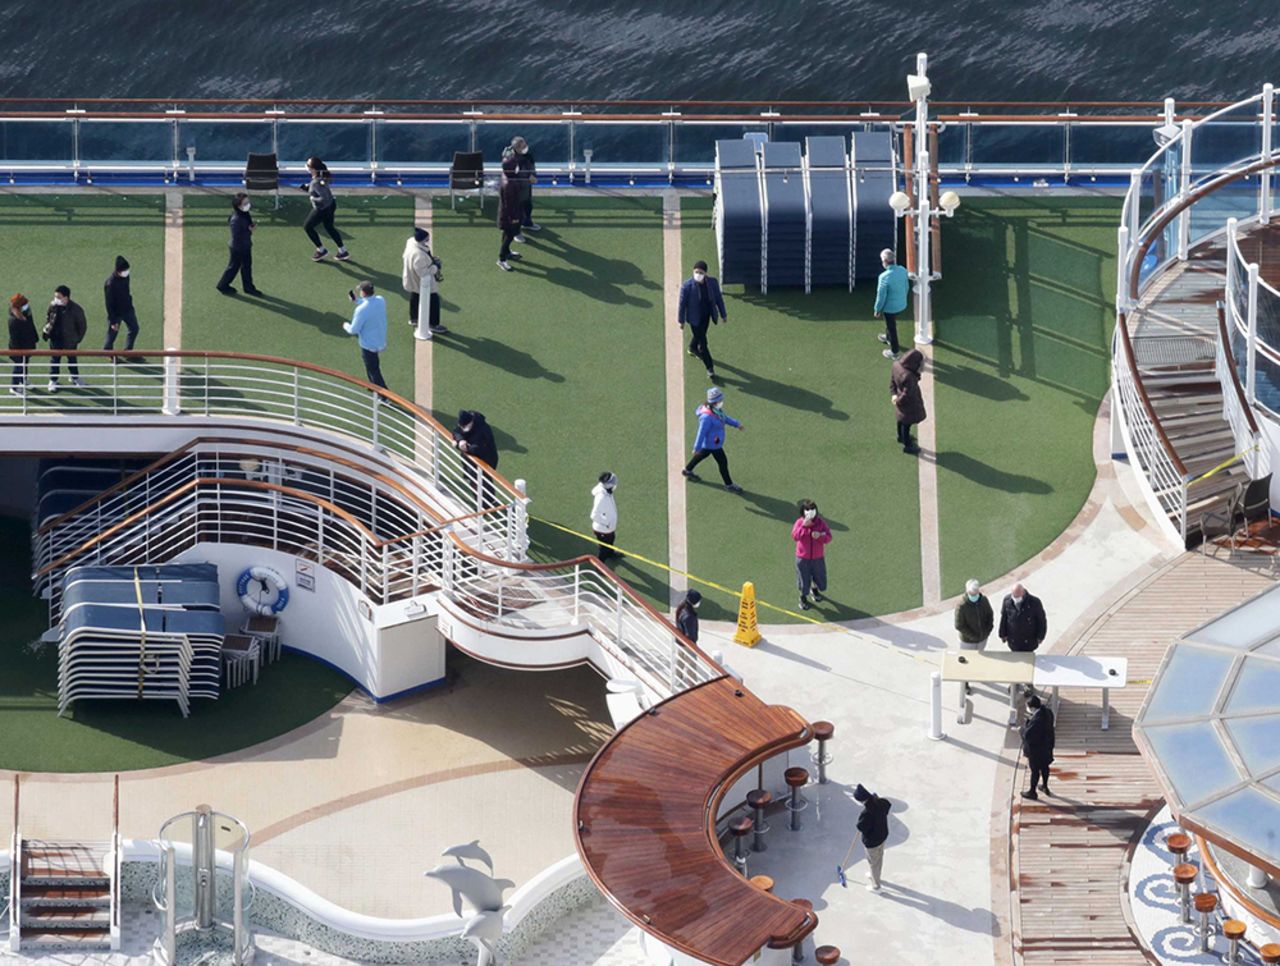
pixel 701 305
pixel 891 300
pixel 369 324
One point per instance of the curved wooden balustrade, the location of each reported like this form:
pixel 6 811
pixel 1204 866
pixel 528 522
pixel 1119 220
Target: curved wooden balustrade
pixel 646 810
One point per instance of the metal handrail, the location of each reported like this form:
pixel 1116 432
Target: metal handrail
pixel 1127 343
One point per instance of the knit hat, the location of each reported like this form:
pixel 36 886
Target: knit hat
pixel 699 264
pixel 465 416
pixel 609 478
pixel 715 394
pixel 63 290
pixel 18 300
pixel 122 263
pixel 692 597
pixel 419 234
pixel 861 794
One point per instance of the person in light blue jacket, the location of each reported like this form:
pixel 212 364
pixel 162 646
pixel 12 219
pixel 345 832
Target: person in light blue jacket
pixel 369 324
pixel 712 423
pixel 892 291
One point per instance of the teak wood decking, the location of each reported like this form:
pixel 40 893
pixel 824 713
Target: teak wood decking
pixel 646 812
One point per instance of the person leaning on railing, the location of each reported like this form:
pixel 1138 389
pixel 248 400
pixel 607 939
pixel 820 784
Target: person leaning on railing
pixel 474 436
pixel 22 336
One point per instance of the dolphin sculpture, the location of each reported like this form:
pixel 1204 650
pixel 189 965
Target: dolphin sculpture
pixel 469 850
pixel 482 892
pixel 485 930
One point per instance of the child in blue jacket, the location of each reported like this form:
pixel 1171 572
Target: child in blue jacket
pixel 712 420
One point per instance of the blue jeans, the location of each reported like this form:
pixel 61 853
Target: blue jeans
pixel 372 367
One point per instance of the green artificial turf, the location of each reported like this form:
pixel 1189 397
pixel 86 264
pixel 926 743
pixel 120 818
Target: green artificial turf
pixel 564 356
pixel 73 240
pixel 126 735
pixel 1024 315
pixel 306 302
pixel 805 375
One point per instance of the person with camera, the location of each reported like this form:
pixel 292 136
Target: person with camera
pixel 369 324
pixel 422 273
pixel 64 328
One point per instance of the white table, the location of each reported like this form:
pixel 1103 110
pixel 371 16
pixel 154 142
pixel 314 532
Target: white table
pixel 1081 671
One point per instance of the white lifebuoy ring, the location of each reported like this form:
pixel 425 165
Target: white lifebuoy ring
pixel 262 591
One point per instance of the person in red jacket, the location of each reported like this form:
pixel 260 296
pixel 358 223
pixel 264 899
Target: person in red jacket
pixel 811 534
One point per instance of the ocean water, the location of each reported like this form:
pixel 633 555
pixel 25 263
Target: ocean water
pixel 750 49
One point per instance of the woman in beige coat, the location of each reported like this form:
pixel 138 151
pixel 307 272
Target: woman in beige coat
pixel 421 276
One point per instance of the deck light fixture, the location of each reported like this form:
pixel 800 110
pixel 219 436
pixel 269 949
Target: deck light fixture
pixel 899 202
pixel 949 201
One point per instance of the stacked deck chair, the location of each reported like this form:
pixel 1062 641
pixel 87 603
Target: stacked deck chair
pixel 787 221
pixel 831 232
pixel 738 213
pixel 140 633
pixel 876 227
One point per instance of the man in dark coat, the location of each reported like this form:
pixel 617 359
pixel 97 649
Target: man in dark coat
pixel 120 310
pixel 474 436
pixel 526 177
pixel 64 328
pixel 1022 621
pixel 240 248
pixel 510 210
pixel 873 826
pixel 1037 745
pixel 701 305
pixel 974 621
pixel 908 402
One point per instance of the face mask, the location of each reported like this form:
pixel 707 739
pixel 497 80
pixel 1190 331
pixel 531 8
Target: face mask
pixel 697 605
pixel 973 598
pixel 125 273
pixel 523 150
pixel 26 307
pixel 59 301
pixel 810 514
pixel 699 276
pixel 246 206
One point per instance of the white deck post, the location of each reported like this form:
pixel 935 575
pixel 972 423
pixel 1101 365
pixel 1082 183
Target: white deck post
pixel 935 706
pixel 1252 342
pixel 1264 186
pixel 924 310
pixel 170 405
pixel 1184 187
pixel 1135 204
pixel 1122 269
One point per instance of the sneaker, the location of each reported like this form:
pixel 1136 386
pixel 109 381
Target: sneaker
pixel 413 322
pixel 733 487
pixel 519 238
pixel 53 386
pixel 711 374
pixel 417 334
pixel 889 354
pixel 343 255
pixel 255 291
pixel 691 475
pixel 227 289
pixel 804 603
pixel 872 887
pixel 692 353
pixel 505 266
pixel 17 391
pixel 883 338
pixel 437 329
pixel 515 256
pixel 1045 788
pixel 532 227
pixel 77 381
pixel 1031 795
pixel 911 449
pixel 817 596
pixel 319 254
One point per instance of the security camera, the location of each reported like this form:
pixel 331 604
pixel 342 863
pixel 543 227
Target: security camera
pixel 1165 133
pixel 918 86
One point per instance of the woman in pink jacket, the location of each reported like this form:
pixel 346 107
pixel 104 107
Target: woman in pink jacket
pixel 811 534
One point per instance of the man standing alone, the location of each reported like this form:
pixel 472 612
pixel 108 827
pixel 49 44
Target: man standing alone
pixel 873 825
pixel 120 306
pixel 701 305
pixel 604 515
pixel 369 324
pixel 891 300
pixel 1037 745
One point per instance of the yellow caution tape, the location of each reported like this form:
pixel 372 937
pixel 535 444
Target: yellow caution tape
pixel 1224 464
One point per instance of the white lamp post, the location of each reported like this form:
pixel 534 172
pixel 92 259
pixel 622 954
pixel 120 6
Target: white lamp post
pixel 918 88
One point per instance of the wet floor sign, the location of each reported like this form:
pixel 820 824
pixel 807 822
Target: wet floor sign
pixel 748 633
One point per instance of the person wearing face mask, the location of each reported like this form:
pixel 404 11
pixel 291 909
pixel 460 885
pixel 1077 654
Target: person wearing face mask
pixel 509 209
pixel 1022 627
pixel 701 305
pixel 323 207
pixel 240 256
pixel 811 534
pixel 604 515
pixel 687 615
pixel 421 273
pixel 22 336
pixel 120 307
pixel 64 328
pixel 526 178
pixel 974 621
pixel 712 421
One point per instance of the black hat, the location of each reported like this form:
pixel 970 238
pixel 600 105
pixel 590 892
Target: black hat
pixel 63 290
pixel 692 597
pixel 608 478
pixel 420 234
pixel 860 793
pixel 465 416
pixel 699 265
pixel 122 263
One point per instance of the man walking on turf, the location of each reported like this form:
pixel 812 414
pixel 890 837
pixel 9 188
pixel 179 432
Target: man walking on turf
pixel 64 328
pixel 811 534
pixel 712 423
pixel 604 515
pixel 701 305
pixel 873 826
pixel 1037 745
pixel 369 324
pixel 239 248
pixel 120 306
pixel 892 290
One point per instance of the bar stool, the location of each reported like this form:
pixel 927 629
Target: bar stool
pixel 796 778
pixel 1270 953
pixel 1179 843
pixel 827 955
pixel 797 951
pixel 740 828
pixel 1184 875
pixel 762 882
pixel 757 800
pixel 823 730
pixel 1205 903
pixel 1233 929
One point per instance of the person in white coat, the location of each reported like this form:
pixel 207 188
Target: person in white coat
pixel 604 515
pixel 421 276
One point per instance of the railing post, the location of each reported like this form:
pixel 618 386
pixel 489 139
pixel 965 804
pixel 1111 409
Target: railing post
pixel 618 608
pixel 1184 186
pixel 297 397
pixel 376 405
pixel 577 591
pixel 518 526
pixel 1264 181
pixel 1122 269
pixel 1232 247
pixel 1252 342
pixel 1135 204
pixel 924 274
pixel 171 405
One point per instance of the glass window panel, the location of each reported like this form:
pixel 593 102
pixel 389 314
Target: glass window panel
pixel 1193 759
pixel 1249 818
pixel 1271 647
pixel 1019 145
pixel 1267 382
pixel 696 143
pixel 548 142
pixel 1224 142
pixel 1258 739
pixel 1236 200
pixel 1111 144
pixel 1249 624
pixel 409 142
pixel 798 132
pixel 623 143
pixel 336 142
pixel 1189 684
pixel 35 140
pixel 225 142
pixel 121 141
pixel 951 144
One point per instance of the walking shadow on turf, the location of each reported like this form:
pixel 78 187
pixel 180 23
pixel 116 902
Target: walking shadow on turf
pixel 977 383
pixel 503 356
pixel 791 396
pixel 329 323
pixel 988 475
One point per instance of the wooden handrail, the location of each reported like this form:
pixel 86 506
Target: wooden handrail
pixel 1122 325
pixel 1231 366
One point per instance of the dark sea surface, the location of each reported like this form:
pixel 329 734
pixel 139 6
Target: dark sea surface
pixel 816 49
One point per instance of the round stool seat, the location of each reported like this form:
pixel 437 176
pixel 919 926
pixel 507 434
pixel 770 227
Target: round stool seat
pixel 762 882
pixel 1179 843
pixel 1184 874
pixel 1270 953
pixel 823 730
pixel 807 906
pixel 796 777
pixel 1233 929
pixel 741 826
pixel 1206 902
pixel 758 798
pixel 826 955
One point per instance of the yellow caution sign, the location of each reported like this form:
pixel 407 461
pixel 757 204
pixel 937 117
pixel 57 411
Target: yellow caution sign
pixel 748 633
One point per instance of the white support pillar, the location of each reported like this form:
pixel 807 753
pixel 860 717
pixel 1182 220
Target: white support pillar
pixel 1251 344
pixel 1122 269
pixel 924 309
pixel 1264 186
pixel 1135 204
pixel 170 405
pixel 1184 187
pixel 1232 282
pixel 935 706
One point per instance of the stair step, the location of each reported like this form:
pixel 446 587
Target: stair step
pixel 1202 446
pixel 96 939
pixel 66 918
pixel 65 895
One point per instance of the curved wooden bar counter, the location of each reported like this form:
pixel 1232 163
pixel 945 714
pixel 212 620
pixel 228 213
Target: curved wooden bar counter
pixel 646 810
